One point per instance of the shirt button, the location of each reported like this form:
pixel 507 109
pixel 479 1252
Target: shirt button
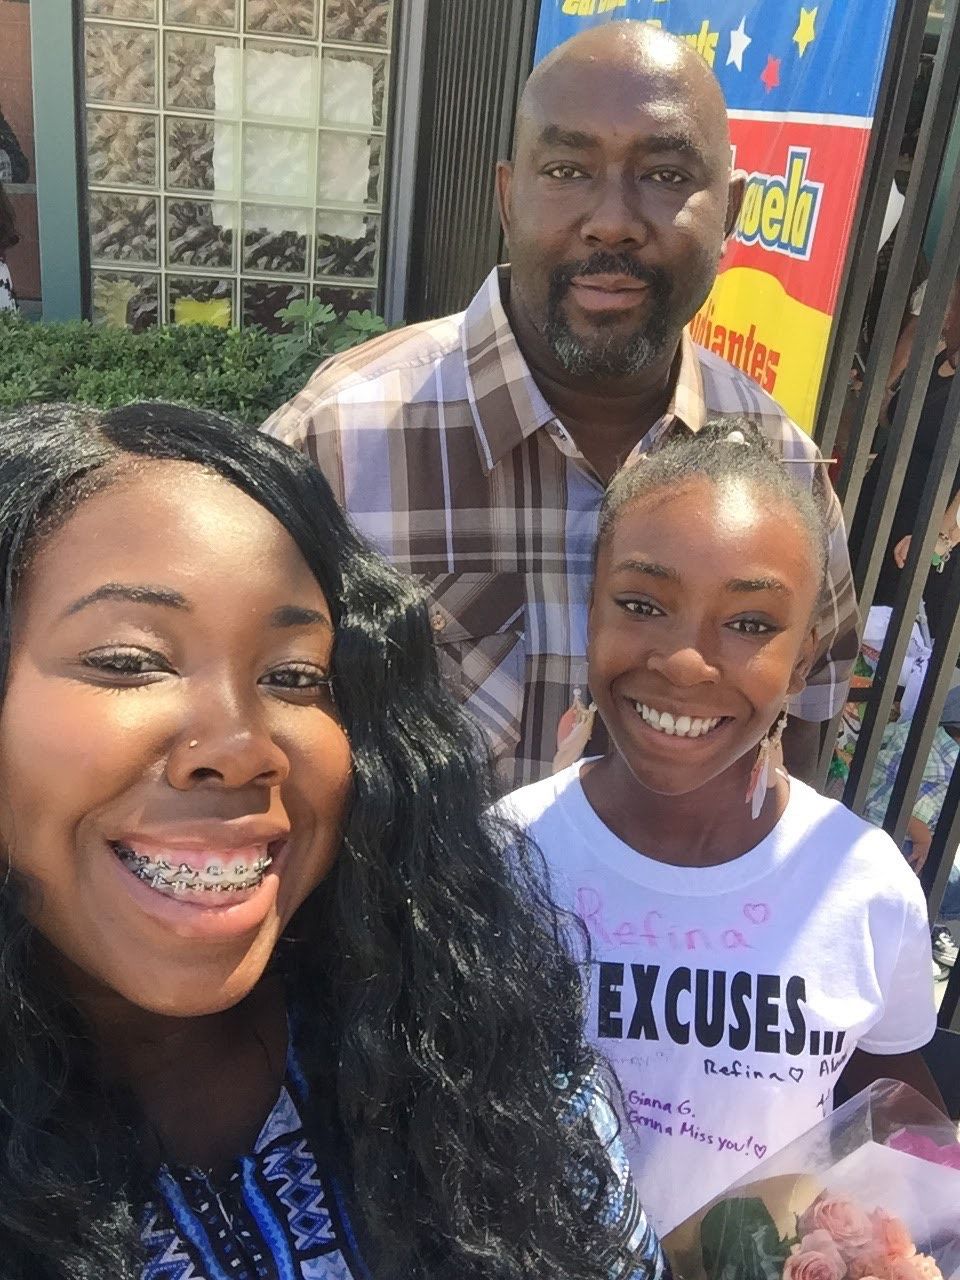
pixel 438 621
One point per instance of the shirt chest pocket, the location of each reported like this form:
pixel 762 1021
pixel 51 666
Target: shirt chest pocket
pixel 478 622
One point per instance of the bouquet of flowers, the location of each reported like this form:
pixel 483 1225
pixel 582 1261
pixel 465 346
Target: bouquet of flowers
pixel 871 1193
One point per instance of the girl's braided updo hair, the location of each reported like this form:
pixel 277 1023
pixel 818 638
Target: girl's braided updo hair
pixel 729 451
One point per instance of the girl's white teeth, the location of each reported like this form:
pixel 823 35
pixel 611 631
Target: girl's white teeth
pixel 676 727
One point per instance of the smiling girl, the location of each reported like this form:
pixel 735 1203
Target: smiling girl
pixel 751 940
pixel 275 1001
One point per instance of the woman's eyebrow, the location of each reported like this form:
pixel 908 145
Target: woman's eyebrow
pixel 758 584
pixel 648 567
pixel 132 594
pixel 294 615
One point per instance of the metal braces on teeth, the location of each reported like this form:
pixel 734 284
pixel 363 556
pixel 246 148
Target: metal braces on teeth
pixel 186 877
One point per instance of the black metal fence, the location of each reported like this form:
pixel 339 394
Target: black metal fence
pixel 874 507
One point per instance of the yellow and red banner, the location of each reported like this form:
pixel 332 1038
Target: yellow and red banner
pixel 801 83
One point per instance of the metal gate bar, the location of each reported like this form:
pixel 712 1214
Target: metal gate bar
pixel 878 700
pixel 926 719
pixel 931 147
pixel 936 496
pixel 906 44
pixel 934 880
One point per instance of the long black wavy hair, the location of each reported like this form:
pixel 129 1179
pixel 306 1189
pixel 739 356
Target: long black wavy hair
pixel 441 1014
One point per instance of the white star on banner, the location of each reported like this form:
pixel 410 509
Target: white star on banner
pixel 739 40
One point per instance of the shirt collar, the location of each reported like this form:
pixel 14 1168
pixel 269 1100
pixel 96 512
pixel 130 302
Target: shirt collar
pixel 688 405
pixel 506 403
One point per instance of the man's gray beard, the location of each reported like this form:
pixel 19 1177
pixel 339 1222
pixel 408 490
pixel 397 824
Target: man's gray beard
pixel 610 358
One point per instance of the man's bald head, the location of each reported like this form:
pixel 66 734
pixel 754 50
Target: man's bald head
pixel 628 51
pixel 618 199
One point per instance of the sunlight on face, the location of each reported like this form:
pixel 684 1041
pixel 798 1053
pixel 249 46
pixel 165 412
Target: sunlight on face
pixel 173 774
pixel 702 611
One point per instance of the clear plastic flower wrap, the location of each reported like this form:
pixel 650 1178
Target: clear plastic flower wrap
pixel 870 1193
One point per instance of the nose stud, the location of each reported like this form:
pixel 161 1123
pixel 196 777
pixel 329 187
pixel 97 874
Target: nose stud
pixel 194 742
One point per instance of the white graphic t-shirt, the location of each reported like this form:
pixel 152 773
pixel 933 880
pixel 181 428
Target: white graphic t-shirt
pixel 729 998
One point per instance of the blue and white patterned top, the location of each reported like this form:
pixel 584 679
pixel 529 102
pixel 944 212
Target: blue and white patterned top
pixel 279 1216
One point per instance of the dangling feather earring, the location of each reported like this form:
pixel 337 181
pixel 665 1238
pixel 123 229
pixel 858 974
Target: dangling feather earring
pixel 769 763
pixel 573 732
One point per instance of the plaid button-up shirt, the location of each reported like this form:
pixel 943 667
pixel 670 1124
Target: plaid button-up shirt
pixel 937 773
pixel 441 447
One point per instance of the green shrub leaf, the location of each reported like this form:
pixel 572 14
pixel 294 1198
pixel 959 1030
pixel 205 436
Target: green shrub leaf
pixel 246 373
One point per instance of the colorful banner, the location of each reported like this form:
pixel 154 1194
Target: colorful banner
pixel 801 85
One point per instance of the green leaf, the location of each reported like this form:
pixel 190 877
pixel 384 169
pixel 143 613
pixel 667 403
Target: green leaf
pixel 740 1241
pixel 246 373
pixel 365 322
pixel 303 316
pixel 297 310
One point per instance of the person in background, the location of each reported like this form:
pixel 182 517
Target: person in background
pixel 752 941
pixel 903 349
pixel 8 238
pixel 943 751
pixel 919 466
pixel 948 538
pixel 475 450
pixel 941 762
pixel 14 165
pixel 279 997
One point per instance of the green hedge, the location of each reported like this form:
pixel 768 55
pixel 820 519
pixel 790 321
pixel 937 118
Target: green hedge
pixel 246 373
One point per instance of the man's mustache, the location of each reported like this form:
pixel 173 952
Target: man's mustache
pixel 609 264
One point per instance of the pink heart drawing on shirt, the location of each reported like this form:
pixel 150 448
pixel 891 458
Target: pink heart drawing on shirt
pixel 760 1150
pixel 756 912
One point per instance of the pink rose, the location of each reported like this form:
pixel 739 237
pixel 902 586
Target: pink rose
pixel 849 1227
pixel 815 1258
pixel 890 1235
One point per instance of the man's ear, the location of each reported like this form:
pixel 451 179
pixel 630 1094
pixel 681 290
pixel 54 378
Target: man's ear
pixel 504 190
pixel 735 193
pixel 801 670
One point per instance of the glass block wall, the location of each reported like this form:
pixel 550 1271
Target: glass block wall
pixel 235 156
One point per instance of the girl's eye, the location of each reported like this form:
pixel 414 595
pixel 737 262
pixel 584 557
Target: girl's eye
pixel 641 608
pixel 752 627
pixel 125 665
pixel 299 678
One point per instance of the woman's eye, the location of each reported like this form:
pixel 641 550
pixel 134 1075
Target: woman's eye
pixel 643 608
pixel 126 665
pixel 300 678
pixel 752 627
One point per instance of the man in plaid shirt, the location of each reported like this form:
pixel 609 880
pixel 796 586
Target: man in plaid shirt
pixel 475 449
